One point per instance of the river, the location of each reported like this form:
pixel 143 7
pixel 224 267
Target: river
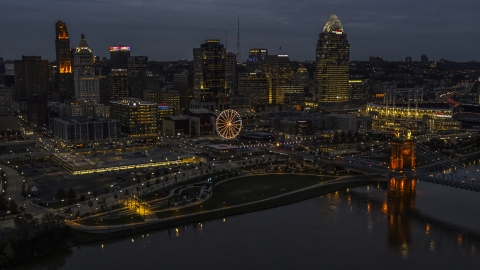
pixel 365 227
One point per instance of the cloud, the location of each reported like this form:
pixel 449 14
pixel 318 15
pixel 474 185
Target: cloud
pixel 168 29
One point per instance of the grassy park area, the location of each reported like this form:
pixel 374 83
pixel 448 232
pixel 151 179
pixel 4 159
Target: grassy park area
pixel 249 189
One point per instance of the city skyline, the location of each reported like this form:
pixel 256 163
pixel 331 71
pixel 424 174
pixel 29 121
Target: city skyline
pixel 168 31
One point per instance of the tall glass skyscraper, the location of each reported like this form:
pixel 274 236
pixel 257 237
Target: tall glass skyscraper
pixel 119 57
pixel 332 75
pixel 209 68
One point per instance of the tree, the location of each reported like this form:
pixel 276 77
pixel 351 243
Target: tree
pixel 148 176
pixel 157 181
pixel 13 207
pixel 61 194
pixel 24 220
pixel 90 203
pixel 82 197
pixel 157 173
pixel 71 194
pixel 115 196
pixel 3 203
pixel 335 137
pixel 24 193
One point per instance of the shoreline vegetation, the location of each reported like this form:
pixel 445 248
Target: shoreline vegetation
pixel 14 252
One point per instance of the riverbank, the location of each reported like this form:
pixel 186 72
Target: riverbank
pixel 83 237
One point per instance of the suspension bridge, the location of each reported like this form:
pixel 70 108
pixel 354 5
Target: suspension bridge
pixel 406 158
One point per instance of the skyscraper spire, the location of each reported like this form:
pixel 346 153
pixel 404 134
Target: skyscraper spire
pixel 239 56
pixel 226 39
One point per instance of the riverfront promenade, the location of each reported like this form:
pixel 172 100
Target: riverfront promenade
pixel 344 182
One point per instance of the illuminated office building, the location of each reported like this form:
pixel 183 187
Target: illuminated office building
pixel 5 101
pixel 358 93
pixel 302 77
pixel 118 85
pixel 137 66
pixel 137 117
pixel 291 96
pixel 332 75
pixel 183 82
pixel 85 129
pixel 257 60
pixel 64 87
pixel 254 85
pixel 137 72
pixel 280 73
pixel 87 85
pixel 168 101
pixel 209 67
pixel 119 57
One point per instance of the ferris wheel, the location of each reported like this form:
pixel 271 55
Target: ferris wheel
pixel 229 124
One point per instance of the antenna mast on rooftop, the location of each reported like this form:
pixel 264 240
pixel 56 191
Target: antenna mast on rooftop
pixel 239 56
pixel 226 39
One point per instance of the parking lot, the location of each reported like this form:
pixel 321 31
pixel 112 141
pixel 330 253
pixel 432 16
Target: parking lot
pixel 48 178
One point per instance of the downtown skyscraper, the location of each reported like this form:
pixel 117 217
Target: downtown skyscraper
pixel 64 87
pixel 87 86
pixel 209 67
pixel 333 58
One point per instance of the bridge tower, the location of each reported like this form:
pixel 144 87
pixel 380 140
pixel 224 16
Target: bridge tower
pixel 408 152
pixel 396 156
pixel 402 155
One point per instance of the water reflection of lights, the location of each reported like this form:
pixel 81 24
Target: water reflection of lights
pixel 404 250
pixel 384 208
pixel 432 245
pixel 427 229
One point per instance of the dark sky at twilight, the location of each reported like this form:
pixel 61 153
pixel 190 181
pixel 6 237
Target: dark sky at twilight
pixel 169 29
